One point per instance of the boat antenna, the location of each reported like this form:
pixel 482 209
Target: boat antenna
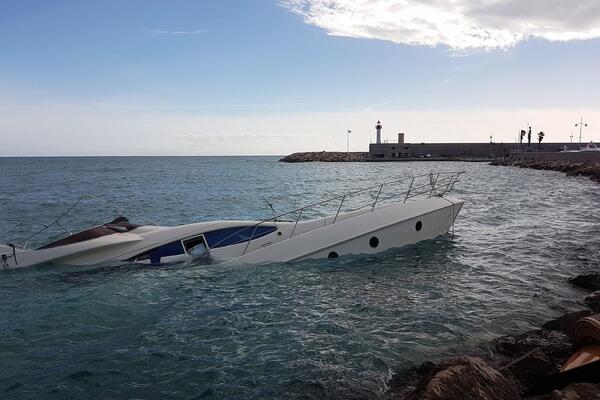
pixel 270 206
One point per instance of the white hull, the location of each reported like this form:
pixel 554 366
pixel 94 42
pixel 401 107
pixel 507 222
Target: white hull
pixel 392 219
pixel 363 231
pixel 390 227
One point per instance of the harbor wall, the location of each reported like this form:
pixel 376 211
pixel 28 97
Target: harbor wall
pixel 395 151
pixel 450 151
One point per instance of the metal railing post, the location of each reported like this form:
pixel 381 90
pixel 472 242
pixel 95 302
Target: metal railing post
pixel 433 183
pixel 339 208
pixel 409 188
pixel 296 224
pixel 448 185
pixel 453 181
pixel 251 237
pixel 377 198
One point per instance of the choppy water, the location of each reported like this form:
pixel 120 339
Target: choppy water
pixel 316 329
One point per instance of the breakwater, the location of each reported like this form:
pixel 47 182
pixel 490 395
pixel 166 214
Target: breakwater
pixel 513 367
pixel 338 156
pixel 571 168
pixel 326 156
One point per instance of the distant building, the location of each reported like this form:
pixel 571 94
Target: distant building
pixel 401 150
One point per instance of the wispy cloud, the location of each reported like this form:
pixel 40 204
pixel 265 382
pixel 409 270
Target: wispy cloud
pixel 372 107
pixel 164 32
pixel 458 24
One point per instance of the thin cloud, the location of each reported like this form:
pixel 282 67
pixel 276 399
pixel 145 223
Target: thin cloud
pixel 459 24
pixel 163 32
pixel 372 107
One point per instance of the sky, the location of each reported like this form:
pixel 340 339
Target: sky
pixel 271 77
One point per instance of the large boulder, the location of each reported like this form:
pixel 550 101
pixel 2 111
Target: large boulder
pixel 531 369
pixel 589 282
pixel 555 344
pixel 566 322
pixel 464 378
pixel 593 301
pixel 574 391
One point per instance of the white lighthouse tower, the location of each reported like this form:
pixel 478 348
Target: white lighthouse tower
pixel 378 127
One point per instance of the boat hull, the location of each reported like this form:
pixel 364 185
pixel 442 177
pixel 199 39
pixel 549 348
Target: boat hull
pixel 388 227
pixel 367 230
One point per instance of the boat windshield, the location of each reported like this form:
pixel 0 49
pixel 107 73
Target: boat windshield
pixel 119 225
pixel 83 220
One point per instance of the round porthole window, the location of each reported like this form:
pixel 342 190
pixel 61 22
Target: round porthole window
pixel 419 225
pixel 333 254
pixel 374 242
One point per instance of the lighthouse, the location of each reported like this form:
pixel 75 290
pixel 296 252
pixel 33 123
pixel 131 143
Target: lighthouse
pixel 378 127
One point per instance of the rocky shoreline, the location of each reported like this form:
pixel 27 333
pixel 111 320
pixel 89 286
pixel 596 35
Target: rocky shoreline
pixel 326 156
pixel 339 156
pixel 524 366
pixel 571 168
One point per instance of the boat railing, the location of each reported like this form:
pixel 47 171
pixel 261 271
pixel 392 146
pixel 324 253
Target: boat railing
pixel 426 185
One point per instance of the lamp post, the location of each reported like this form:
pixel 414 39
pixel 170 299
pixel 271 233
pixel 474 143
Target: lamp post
pixel 348 141
pixel 581 124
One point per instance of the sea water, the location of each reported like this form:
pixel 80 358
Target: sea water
pixel 333 328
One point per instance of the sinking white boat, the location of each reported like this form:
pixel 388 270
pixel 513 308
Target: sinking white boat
pixel 371 220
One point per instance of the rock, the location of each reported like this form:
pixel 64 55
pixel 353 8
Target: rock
pixel 405 381
pixel 593 301
pixel 555 344
pixel 566 322
pixel 465 378
pixel 571 168
pixel 531 369
pixel 574 391
pixel 589 282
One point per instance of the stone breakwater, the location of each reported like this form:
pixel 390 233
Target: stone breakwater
pixel 340 156
pixel 571 168
pixel 514 367
pixel 326 156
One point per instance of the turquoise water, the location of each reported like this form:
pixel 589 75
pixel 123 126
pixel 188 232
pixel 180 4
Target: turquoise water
pixel 316 329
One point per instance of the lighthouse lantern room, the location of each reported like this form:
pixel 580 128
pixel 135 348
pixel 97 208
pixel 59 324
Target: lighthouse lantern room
pixel 378 128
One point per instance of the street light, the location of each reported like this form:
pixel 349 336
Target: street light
pixel 348 141
pixel 581 124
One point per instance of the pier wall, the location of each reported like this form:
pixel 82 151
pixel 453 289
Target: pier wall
pixel 394 151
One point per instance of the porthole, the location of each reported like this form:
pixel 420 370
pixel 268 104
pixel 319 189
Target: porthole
pixel 278 233
pixel 374 242
pixel 333 254
pixel 419 225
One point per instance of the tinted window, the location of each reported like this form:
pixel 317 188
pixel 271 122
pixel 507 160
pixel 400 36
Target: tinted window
pixel 169 249
pixel 235 235
pixel 191 243
pixel 196 247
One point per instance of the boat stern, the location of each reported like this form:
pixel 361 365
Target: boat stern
pixel 9 255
